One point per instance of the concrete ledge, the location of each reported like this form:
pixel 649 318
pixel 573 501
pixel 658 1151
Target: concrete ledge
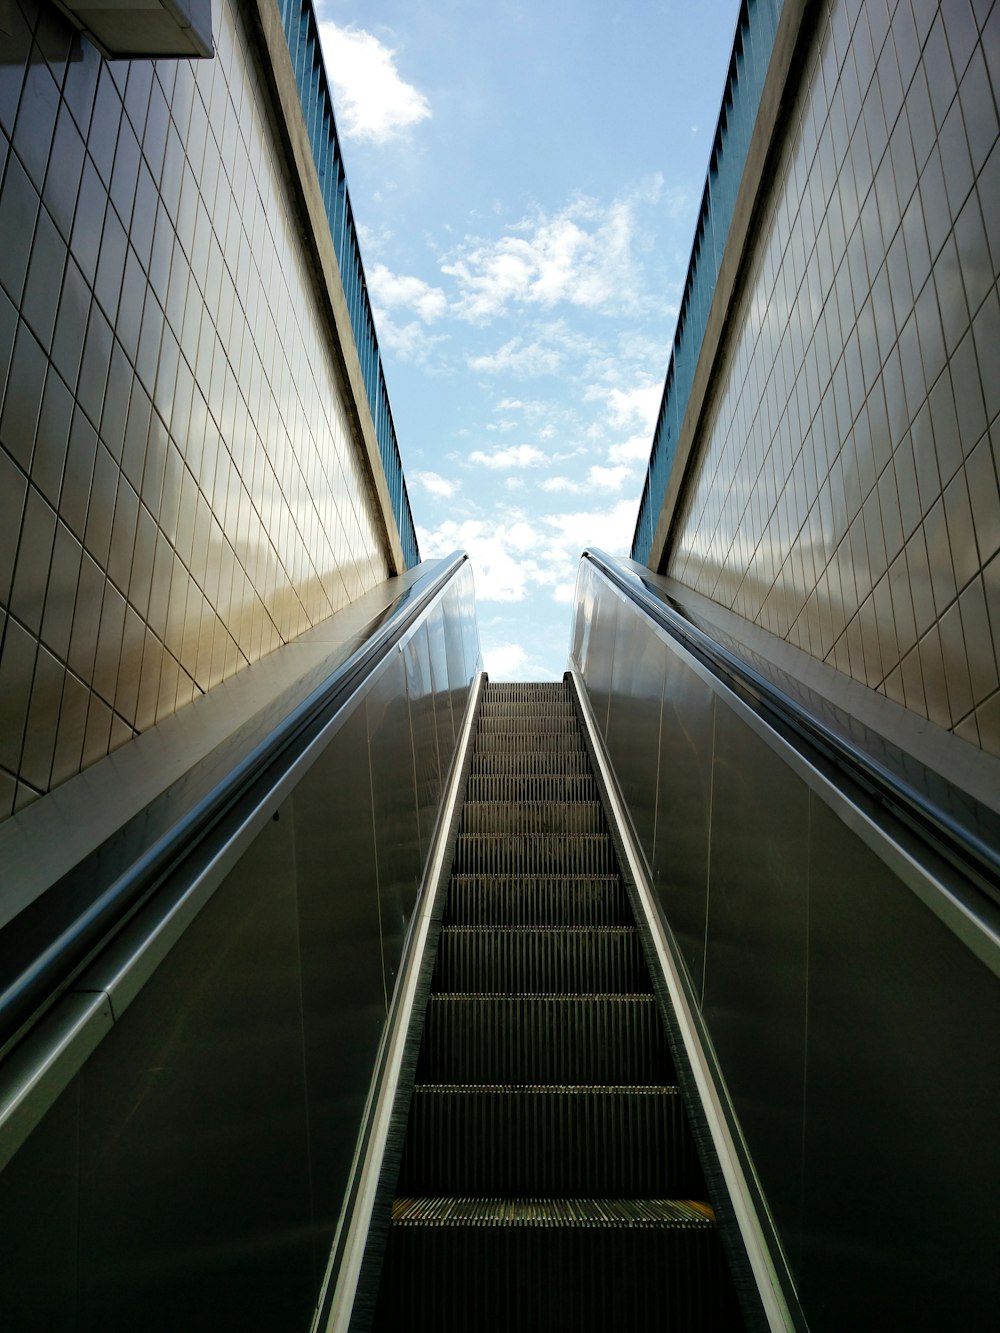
pixel 778 84
pixel 265 17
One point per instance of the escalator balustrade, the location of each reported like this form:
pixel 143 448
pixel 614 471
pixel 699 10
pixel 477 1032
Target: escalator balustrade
pixel 549 1178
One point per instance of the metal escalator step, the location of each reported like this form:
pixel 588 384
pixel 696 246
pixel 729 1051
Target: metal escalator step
pixel 513 742
pixel 512 692
pixel 560 1141
pixel 549 1039
pixel 533 819
pixel 592 1214
pixel 541 960
pixel 537 900
pixel 528 708
pixel 560 854
pixel 519 787
pixel 555 1264
pixel 517 763
pixel 542 723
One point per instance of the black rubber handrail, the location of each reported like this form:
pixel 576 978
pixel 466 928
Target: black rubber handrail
pixel 46 945
pixel 963 846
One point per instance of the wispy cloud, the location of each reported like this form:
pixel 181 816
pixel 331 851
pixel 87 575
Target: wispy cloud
pixel 515 455
pixel 514 555
pixel 517 357
pixel 582 255
pixel 394 291
pixel 598 479
pixel 633 450
pixel 504 659
pixel 630 408
pixel 437 485
pixel 374 103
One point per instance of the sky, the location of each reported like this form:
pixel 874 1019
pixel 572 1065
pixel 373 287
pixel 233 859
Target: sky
pixel 525 178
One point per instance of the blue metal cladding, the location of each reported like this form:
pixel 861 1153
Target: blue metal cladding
pixel 302 35
pixel 754 42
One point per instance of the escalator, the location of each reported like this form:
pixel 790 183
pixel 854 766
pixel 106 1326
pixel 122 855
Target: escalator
pixel 549 1176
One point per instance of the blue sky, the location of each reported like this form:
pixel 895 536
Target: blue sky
pixel 525 178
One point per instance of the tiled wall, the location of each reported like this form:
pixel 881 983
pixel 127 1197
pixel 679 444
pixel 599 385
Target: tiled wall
pixel 847 496
pixel 179 489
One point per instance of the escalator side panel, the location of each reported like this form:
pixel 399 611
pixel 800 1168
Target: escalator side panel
pixel 856 1033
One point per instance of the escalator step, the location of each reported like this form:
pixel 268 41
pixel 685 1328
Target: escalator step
pixel 521 787
pixel 607 1039
pixel 509 692
pixel 513 762
pixel 560 854
pixel 532 819
pixel 537 900
pixel 559 1141
pixel 544 722
pixel 555 1264
pixel 541 960
pixel 510 742
pixel 528 708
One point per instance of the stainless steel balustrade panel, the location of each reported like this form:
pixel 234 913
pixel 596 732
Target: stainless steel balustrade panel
pixel 343 988
pixel 684 796
pixel 755 952
pixel 194 1154
pixel 602 646
pixel 419 689
pixel 394 803
pixel 193 1173
pixel 634 723
pixel 856 1035
pixel 460 671
pixel 39 1223
pixel 903 1085
pixel 443 719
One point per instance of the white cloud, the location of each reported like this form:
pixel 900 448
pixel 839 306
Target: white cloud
pixel 500 575
pixel 518 358
pixel 392 291
pixel 515 455
pixel 611 529
pixel 598 478
pixel 582 255
pixel 513 556
pixel 636 407
pixel 436 484
pixel 410 341
pixel 501 659
pixel 608 478
pixel 635 449
pixel 372 101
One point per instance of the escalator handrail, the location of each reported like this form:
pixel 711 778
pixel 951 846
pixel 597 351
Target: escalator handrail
pixel 977 859
pixel 29 992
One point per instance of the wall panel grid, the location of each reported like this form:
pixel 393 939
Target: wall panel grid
pixel 179 489
pixel 847 496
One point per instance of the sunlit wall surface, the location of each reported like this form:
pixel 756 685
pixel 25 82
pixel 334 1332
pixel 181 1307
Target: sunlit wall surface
pixel 846 494
pixel 179 488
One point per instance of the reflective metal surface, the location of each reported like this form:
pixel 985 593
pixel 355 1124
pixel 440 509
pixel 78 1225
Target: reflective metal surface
pixel 394 807
pixel 856 1031
pixel 193 1173
pixel 891 996
pixel 427 763
pixel 755 951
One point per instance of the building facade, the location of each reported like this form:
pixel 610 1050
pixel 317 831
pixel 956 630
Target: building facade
pixel 191 469
pixel 829 472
